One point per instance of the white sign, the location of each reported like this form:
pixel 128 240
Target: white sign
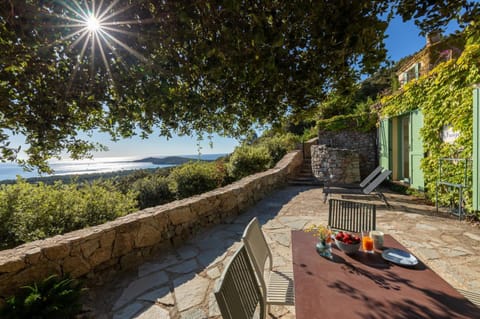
pixel 449 135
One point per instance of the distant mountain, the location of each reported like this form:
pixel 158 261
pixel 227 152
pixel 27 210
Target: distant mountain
pixel 169 160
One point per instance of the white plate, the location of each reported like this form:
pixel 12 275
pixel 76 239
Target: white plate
pixel 399 257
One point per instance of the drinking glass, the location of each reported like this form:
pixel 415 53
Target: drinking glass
pixel 377 237
pixel 367 242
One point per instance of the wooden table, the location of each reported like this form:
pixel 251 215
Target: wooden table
pixel 366 286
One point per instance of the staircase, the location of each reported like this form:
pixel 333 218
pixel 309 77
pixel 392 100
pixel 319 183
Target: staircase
pixel 305 176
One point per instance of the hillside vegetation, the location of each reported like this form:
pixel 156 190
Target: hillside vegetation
pixel 31 211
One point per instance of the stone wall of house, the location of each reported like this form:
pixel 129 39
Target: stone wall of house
pixel 363 143
pixel 98 253
pixel 335 165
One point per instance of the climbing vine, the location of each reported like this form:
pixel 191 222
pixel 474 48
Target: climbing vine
pixel 445 98
pixel 361 122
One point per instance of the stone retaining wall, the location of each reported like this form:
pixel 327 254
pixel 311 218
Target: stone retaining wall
pixel 364 143
pixel 307 146
pixel 335 165
pixel 98 252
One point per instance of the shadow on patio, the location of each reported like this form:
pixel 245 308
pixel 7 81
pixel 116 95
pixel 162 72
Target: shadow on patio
pixel 180 283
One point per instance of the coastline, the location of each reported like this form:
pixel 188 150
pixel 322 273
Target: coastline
pixel 75 172
pixel 86 177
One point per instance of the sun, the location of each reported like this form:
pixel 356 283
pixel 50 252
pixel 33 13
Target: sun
pixel 97 31
pixel 93 24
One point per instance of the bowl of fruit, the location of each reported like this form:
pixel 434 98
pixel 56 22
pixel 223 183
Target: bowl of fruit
pixel 346 242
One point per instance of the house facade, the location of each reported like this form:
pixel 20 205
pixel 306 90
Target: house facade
pixel 436 51
pixel 430 119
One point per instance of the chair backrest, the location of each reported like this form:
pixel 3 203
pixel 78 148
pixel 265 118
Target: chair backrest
pixel 371 176
pixel 258 250
pixel 376 182
pixel 257 245
pixel 351 216
pixel 237 292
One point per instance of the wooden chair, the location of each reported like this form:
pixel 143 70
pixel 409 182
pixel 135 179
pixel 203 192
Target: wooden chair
pixel 237 292
pixel 474 297
pixel 351 216
pixel 279 288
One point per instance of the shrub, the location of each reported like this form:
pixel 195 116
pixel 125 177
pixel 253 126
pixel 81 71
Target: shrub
pixel 124 183
pixel 223 177
pixel 52 298
pixel 152 191
pixel 309 134
pixel 279 145
pixel 195 178
pixel 35 211
pixel 247 160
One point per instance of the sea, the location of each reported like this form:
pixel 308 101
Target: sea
pixel 10 171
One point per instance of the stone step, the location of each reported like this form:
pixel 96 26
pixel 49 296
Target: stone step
pixel 301 177
pixel 305 172
pixel 305 175
pixel 307 167
pixel 304 178
pixel 301 182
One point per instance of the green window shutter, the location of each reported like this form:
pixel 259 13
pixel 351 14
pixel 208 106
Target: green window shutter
pixel 417 70
pixel 385 143
pixel 416 150
pixel 476 146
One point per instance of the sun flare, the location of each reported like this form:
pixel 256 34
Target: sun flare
pixel 93 24
pixel 99 30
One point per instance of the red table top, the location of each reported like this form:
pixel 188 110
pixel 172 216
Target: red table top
pixel 366 286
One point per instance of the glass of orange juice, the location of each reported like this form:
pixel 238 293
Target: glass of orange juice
pixel 367 242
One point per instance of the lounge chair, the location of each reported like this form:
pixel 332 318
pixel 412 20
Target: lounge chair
pixel 362 184
pixel 371 187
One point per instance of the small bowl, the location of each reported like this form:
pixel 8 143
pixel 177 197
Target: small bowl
pixel 347 248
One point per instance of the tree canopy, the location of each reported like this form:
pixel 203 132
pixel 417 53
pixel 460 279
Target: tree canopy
pixel 182 66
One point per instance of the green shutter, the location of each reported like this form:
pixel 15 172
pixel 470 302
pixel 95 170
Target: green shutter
pixel 416 150
pixel 476 146
pixel 384 141
pixel 417 70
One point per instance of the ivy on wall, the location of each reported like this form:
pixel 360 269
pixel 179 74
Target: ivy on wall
pixel 360 122
pixel 445 98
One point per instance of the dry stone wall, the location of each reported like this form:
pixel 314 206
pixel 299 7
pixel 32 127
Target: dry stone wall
pixel 307 146
pixel 335 165
pixel 98 253
pixel 364 143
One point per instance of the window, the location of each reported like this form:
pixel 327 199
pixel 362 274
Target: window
pixel 411 74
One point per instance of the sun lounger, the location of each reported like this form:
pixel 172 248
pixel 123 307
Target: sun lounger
pixel 362 184
pixel 371 187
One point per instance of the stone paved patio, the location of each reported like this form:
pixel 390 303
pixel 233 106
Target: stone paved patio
pixel 179 284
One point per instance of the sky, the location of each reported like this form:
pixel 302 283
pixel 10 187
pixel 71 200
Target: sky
pixel 403 39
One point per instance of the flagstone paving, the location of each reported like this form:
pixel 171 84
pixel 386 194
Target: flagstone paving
pixel 179 284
